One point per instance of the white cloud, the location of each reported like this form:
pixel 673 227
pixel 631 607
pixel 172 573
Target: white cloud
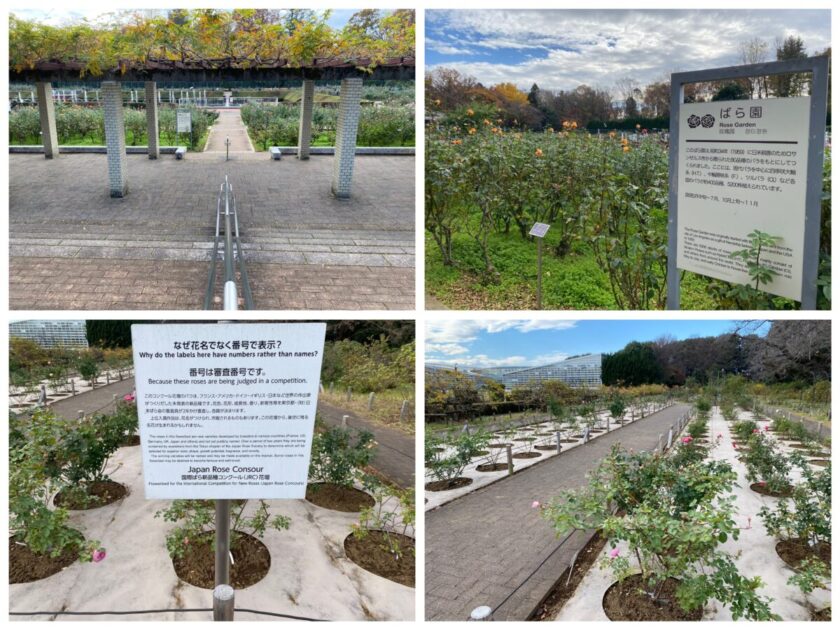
pixel 481 360
pixel 461 331
pixel 598 47
pixel 446 348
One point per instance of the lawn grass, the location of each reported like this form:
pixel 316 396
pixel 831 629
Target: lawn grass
pixel 140 141
pixel 574 281
pixel 386 406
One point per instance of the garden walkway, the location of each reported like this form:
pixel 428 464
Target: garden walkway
pixel 394 456
pixel 228 125
pixel 491 548
pixel 72 247
pixel 101 398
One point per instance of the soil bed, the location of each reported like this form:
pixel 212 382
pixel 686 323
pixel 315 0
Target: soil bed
pixel 499 445
pixel 97 494
pixel 822 615
pixel 335 497
pixel 546 447
pixel 568 441
pixel 528 455
pixel 25 566
pixel 762 489
pixel 448 484
pixel 251 561
pixel 793 552
pixel 371 554
pixel 132 440
pixel 822 463
pixel 491 467
pixel 623 601
pixel 481 453
pixel 524 439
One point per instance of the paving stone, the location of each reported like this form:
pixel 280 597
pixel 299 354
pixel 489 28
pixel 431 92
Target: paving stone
pixel 60 211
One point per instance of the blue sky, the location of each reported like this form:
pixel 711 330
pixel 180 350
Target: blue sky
pixel 58 16
pixel 489 343
pixel 562 49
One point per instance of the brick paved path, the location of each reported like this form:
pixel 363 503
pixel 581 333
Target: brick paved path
pixel 481 547
pixel 228 125
pixel 394 456
pixel 72 246
pixel 99 399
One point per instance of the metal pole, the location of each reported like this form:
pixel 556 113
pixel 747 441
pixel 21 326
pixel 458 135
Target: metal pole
pixel 509 458
pixel 230 299
pixel 223 600
pixel 559 445
pixel 539 274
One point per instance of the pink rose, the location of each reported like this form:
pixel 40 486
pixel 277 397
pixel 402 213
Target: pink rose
pixel 615 553
pixel 687 439
pixel 129 397
pixel 98 555
pixel 535 505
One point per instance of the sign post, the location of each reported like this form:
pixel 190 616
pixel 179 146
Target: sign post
pixel 539 231
pixel 226 411
pixel 740 166
pixel 183 122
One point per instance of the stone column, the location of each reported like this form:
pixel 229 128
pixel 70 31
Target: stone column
pixel 152 120
pixel 46 111
pixel 345 137
pixel 305 130
pixel 115 137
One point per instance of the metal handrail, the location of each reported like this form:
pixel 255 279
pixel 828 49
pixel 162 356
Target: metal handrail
pixel 232 254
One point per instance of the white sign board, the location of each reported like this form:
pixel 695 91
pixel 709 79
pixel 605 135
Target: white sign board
pixel 183 121
pixel 539 230
pixel 227 410
pixel 742 166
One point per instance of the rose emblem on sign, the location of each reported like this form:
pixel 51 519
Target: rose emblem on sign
pixel 693 121
pixel 707 121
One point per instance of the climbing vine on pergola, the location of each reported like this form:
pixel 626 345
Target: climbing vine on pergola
pixel 213 39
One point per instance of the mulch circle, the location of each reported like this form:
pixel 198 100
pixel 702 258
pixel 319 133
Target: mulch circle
pixel 793 552
pixel 528 455
pixel 546 447
pixel 822 615
pixel 132 440
pixel 251 561
pixel 99 493
pixel 568 441
pixel 26 566
pixel 523 439
pixel 340 498
pixel 372 554
pixel 627 601
pixel 543 434
pixel 499 445
pixel 577 437
pixel 762 489
pixel 448 484
pixel 822 463
pixel 438 449
pixel 491 467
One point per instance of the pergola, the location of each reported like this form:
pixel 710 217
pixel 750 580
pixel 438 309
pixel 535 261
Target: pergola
pixel 348 72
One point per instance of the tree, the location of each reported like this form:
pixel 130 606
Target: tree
pixel 755 51
pixel 636 364
pixel 793 350
pixel 731 92
pixel 631 110
pixel 109 333
pixel 790 84
pixel 448 89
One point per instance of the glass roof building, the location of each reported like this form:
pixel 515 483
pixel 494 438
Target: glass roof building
pixel 50 333
pixel 579 371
